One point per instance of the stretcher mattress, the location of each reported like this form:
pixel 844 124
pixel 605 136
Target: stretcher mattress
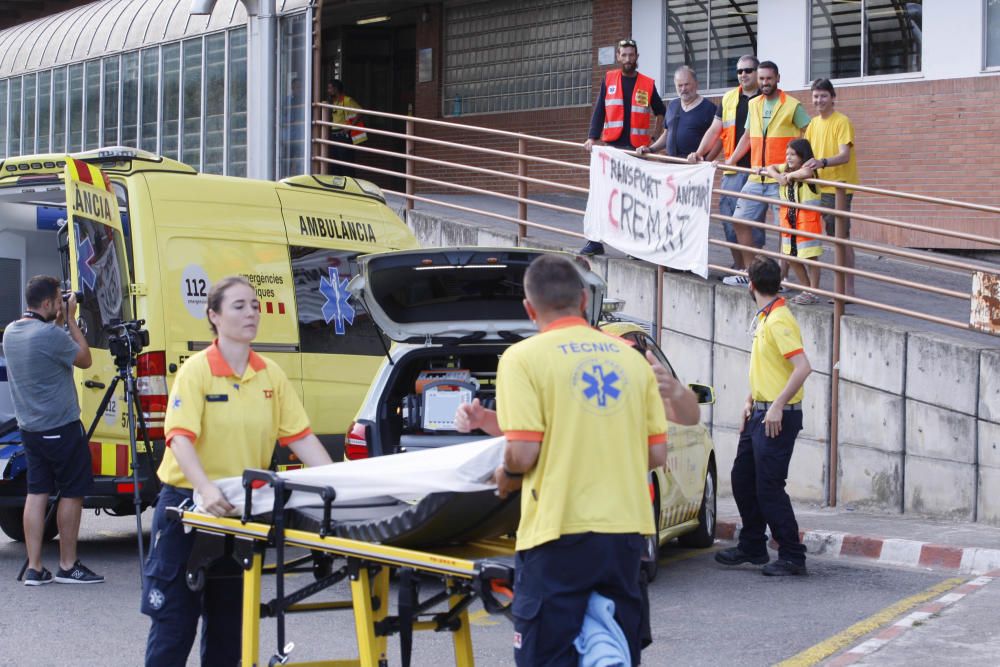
pixel 437 519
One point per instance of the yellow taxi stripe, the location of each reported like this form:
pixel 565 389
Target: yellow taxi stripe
pixel 842 640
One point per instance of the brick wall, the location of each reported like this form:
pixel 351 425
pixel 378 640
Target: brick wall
pixel 926 137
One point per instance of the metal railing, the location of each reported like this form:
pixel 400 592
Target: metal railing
pixel 519 177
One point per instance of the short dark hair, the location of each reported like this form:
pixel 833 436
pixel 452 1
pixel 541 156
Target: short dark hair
pixel 337 83
pixel 824 84
pixel 802 148
pixel 41 288
pixel 751 57
pixel 217 292
pixel 765 274
pixel 768 64
pixel 553 283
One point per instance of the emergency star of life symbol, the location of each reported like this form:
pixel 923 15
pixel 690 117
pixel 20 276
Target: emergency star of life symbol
pixel 156 598
pixel 600 385
pixel 336 307
pixel 84 256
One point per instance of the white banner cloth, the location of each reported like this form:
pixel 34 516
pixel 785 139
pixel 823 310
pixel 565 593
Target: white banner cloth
pixel 655 211
pixel 465 467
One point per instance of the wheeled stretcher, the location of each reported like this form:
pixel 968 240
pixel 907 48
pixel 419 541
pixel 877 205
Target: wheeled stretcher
pixel 469 564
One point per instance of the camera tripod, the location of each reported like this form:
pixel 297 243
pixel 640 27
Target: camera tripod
pixel 125 365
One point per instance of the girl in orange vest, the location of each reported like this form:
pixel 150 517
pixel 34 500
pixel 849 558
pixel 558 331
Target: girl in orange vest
pixel 791 189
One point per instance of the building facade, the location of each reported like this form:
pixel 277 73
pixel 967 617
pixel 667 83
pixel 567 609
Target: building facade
pixel 230 92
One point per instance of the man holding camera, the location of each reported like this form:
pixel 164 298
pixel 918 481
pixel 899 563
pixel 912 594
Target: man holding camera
pixel 40 359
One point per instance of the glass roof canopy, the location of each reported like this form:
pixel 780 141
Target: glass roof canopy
pixel 112 26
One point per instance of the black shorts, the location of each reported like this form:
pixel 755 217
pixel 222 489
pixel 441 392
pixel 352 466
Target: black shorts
pixel 58 459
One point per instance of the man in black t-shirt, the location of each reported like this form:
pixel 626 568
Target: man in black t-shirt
pixel 688 117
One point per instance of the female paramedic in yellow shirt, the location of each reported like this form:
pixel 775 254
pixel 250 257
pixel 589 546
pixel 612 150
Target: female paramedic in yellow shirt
pixel 228 406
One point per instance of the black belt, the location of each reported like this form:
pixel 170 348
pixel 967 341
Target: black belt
pixel 766 405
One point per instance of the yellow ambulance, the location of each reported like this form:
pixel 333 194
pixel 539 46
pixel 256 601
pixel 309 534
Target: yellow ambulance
pixel 146 238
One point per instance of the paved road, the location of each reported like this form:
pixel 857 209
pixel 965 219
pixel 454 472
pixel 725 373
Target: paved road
pixel 703 614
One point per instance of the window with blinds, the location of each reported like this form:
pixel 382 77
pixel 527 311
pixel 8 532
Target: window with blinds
pixel 513 56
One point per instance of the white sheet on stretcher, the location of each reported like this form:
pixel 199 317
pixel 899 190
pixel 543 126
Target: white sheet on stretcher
pixel 462 468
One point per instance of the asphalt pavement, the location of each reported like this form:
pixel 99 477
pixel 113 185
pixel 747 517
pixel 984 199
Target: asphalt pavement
pixel 703 613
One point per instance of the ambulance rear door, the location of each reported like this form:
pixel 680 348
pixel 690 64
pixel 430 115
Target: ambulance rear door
pixel 98 272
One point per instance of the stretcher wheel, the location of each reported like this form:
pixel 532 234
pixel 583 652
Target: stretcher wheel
pixel 196 579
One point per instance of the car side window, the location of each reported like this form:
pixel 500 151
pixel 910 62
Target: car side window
pixel 331 321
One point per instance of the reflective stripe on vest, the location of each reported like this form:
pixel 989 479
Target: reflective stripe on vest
pixel 730 102
pixel 806 221
pixel 767 148
pixel 614 109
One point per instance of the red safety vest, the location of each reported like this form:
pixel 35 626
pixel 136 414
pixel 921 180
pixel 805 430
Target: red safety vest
pixel 640 111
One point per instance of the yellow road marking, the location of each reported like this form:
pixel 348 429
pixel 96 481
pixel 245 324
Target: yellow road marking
pixel 842 640
pixel 481 617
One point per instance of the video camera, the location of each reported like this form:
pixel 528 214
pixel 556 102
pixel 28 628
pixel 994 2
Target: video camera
pixel 126 339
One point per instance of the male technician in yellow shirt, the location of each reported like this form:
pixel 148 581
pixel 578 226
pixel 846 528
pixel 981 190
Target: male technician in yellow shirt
pixel 584 424
pixel 772 418
pixel 831 136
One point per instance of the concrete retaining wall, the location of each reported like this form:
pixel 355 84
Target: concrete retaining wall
pixel 918 414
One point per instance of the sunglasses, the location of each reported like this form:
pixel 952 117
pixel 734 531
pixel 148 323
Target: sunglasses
pixel 746 70
pixel 626 42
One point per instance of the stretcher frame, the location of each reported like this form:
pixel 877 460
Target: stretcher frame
pixel 467 572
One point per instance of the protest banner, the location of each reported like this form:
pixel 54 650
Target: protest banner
pixel 655 211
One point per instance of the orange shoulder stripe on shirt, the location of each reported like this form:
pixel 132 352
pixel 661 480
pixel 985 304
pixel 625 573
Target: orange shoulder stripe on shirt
pixel 789 355
pixel 528 436
pixel 288 439
pixel 181 431
pixel 657 439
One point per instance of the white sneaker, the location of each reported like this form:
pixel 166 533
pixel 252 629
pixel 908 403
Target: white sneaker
pixel 736 281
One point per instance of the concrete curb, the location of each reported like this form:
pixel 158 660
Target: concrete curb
pixel 907 622
pixel 908 553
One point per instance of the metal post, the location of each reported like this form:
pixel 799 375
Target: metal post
pixel 658 334
pixel 838 313
pixel 410 188
pixel 324 148
pixel 262 32
pixel 522 190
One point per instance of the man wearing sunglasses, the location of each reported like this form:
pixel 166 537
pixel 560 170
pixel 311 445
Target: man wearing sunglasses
pixel 623 112
pixel 730 122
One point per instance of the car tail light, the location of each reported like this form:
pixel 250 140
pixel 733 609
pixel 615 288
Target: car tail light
pixel 151 384
pixel 356 442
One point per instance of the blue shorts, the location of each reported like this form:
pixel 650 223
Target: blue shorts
pixel 727 205
pixel 748 209
pixel 58 459
pixel 552 585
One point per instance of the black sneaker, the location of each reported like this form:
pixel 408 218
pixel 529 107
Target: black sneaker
pixel 592 248
pixel 736 556
pixel 36 578
pixel 78 574
pixel 784 568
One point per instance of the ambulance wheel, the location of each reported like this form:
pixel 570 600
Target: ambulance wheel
pixel 12 524
pixel 704 536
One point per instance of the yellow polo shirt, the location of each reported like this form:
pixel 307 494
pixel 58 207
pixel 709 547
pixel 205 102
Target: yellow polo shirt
pixel 592 402
pixel 776 340
pixel 826 136
pixel 233 421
